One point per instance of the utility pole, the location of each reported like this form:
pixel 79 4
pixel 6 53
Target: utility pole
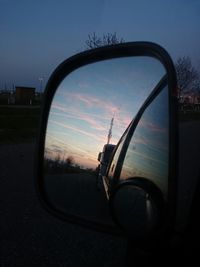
pixel 41 79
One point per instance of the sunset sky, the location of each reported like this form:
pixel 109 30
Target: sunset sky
pixel 89 97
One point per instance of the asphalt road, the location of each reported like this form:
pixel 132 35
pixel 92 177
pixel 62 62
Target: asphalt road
pixel 31 237
pixel 77 194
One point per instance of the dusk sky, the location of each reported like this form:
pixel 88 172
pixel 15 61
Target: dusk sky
pixel 37 35
pixel 89 97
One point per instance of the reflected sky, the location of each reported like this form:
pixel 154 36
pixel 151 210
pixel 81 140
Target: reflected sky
pixel 89 97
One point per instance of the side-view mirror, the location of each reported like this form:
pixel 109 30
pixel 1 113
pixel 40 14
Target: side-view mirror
pixel 120 100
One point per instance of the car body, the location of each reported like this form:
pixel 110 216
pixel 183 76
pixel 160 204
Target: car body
pixel 104 159
pixel 115 172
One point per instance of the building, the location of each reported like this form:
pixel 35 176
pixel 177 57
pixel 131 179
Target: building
pixel 189 101
pixel 24 95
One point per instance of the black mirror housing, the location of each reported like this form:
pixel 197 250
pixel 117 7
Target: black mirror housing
pixel 119 51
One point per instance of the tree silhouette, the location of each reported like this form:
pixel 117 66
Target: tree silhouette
pixel 187 76
pixel 95 41
pixel 69 161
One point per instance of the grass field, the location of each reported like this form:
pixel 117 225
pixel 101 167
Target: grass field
pixel 18 124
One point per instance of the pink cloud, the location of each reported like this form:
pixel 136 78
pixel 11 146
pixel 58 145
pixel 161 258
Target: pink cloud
pixel 153 127
pixel 93 120
pixel 90 101
pixel 73 128
pixel 156 144
pixel 96 121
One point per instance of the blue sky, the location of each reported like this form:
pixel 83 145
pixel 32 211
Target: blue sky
pixel 37 35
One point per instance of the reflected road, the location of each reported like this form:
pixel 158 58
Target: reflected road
pixel 77 194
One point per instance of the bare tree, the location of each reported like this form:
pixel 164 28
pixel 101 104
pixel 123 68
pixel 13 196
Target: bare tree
pixel 187 76
pixel 95 41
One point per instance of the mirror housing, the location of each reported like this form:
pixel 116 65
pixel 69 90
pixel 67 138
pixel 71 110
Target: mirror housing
pixel 133 49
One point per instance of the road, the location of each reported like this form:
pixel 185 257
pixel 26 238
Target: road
pixel 31 237
pixel 77 194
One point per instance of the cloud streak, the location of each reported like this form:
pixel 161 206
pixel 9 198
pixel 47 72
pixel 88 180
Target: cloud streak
pixel 99 122
pixel 153 127
pixel 78 130
pixel 90 101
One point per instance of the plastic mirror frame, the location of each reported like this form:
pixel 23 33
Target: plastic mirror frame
pixel 129 49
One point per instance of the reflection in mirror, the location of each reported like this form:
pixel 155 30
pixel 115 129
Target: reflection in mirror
pixel 148 151
pixel 92 107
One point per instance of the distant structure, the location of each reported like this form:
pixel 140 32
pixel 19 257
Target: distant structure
pixel 189 102
pixel 110 131
pixel 20 95
pixel 104 157
pixel 41 80
pixel 24 95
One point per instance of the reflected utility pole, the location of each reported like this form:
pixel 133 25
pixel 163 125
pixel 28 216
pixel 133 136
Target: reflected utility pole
pixel 110 131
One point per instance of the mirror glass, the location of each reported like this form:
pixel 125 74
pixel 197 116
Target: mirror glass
pixel 147 155
pixel 92 107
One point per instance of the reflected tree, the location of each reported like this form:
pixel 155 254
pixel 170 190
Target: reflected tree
pixel 70 161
